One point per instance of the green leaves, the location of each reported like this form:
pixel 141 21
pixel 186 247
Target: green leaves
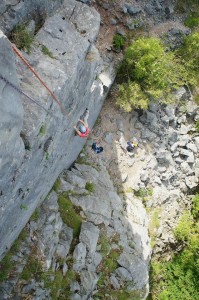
pixel 148 73
pixel 183 229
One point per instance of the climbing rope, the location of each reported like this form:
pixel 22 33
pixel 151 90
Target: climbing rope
pixel 42 82
pixel 21 92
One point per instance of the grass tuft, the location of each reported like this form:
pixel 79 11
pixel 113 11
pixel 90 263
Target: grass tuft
pixel 46 51
pixel 70 214
pixel 22 38
pixel 90 187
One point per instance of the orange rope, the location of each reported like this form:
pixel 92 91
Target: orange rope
pixel 42 82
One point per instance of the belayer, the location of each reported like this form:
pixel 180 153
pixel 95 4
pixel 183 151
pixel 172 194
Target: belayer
pixel 97 149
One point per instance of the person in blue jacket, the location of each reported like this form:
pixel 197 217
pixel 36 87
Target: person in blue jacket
pixel 97 149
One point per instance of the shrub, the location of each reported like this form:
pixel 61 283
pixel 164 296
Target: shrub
pixel 195 208
pixel 148 72
pixel 178 278
pixel 90 187
pixel 131 96
pixel 183 229
pixel 22 38
pixel 192 20
pixel 189 54
pixel 118 42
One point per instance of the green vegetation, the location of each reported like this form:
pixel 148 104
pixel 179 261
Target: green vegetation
pixel 7 265
pixel 33 267
pixel 195 207
pixel 185 5
pixel 147 72
pixel 57 185
pixel 189 54
pixel 144 193
pixel 197 126
pixel 154 224
pixel 178 278
pixel 118 42
pixel 35 215
pixel 108 265
pixel 70 214
pixel 23 206
pixel 42 130
pixel 90 187
pixel 46 51
pixel 150 72
pixel 55 281
pixel 60 286
pixel 104 241
pixel 192 20
pixel 184 227
pixel 22 38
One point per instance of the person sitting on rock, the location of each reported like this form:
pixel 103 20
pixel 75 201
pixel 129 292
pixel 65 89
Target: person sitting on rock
pixel 82 130
pixel 131 146
pixel 97 149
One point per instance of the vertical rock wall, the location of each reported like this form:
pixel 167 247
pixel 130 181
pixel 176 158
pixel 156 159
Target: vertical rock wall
pixel 35 145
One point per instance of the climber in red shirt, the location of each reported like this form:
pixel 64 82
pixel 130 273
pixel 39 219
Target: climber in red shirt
pixel 83 130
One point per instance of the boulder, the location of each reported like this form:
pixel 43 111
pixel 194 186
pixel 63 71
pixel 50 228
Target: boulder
pixel 88 280
pixel 136 267
pixel 79 256
pixel 133 10
pixel 89 236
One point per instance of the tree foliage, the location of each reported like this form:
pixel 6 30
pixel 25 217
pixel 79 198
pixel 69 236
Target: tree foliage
pixel 189 54
pixel 178 279
pixel 148 72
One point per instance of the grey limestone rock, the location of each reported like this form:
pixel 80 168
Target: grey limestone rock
pixel 191 181
pixel 196 141
pixel 133 10
pixel 79 256
pixel 65 239
pixel 186 168
pixel 114 282
pixel 192 147
pixel 89 236
pixel 136 267
pixel 75 287
pixel 123 274
pixel 88 280
pixel 30 174
pixel 108 137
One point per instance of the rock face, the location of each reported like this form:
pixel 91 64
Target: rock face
pixel 35 145
pixel 107 233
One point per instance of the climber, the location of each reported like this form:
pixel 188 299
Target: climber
pixel 83 130
pixel 97 149
pixel 85 116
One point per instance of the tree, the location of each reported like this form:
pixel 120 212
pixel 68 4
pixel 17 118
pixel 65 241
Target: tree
pixel 147 73
pixel 189 54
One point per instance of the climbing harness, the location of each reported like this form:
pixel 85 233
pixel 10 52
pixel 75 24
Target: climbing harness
pixel 23 93
pixel 43 83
